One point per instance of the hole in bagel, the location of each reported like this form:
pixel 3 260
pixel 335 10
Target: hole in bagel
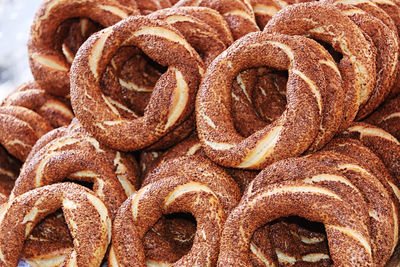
pixel 135 75
pixel 9 164
pixel 258 100
pixel 170 238
pixel 10 167
pixel 294 240
pixel 72 33
pixel 86 184
pixel 49 239
pixel 335 55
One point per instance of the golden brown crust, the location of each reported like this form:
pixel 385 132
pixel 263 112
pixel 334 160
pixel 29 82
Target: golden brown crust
pixel 27 114
pixel 371 8
pixel 326 23
pixel 333 95
pixel 86 216
pixel 174 91
pixel 203 28
pixel 71 153
pixel 49 66
pixel 65 142
pixel 78 165
pixel 176 136
pixel 247 120
pixel 202 170
pixel 264 10
pixel 189 147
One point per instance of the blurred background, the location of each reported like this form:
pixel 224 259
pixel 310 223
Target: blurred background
pixel 15 20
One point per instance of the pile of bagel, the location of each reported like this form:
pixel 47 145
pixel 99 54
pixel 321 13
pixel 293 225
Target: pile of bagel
pixel 205 133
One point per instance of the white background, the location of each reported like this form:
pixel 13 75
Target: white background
pixel 15 20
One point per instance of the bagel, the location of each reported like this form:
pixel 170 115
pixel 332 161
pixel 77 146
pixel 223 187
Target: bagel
pixel 326 23
pixel 48 65
pixel 177 194
pixel 91 236
pixel 302 199
pixel 293 129
pixel 102 119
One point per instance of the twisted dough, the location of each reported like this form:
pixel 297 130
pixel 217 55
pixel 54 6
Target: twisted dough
pixel 87 218
pixel 204 28
pixel 198 25
pixel 55 167
pixel 173 93
pixel 73 154
pixel 371 8
pixel 331 98
pixel 26 115
pixel 368 160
